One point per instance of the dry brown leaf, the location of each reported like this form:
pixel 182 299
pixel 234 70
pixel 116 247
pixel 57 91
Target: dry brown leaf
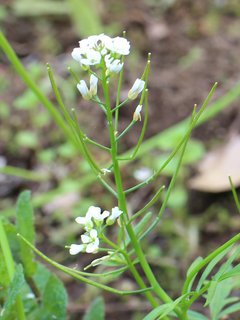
pixel 217 165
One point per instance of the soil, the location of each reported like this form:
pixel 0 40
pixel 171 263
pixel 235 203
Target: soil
pixel 193 45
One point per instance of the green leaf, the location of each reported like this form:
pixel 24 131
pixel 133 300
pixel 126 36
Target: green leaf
pixel 221 293
pixel 54 296
pixel 41 277
pixel 13 241
pixel 228 264
pixel 25 226
pixel 211 292
pixel 14 289
pixel 232 273
pixel 233 308
pixel 140 226
pixel 193 315
pixel 96 310
pixel 165 309
pixel 210 266
pixel 4 278
pixel 54 301
pixel 156 312
pixel 192 266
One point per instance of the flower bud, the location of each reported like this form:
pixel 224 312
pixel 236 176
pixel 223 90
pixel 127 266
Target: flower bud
pixel 136 89
pixel 93 84
pixel 137 113
pixel 82 87
pixel 116 212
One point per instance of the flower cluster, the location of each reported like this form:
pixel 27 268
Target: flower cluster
pixel 101 49
pixel 92 223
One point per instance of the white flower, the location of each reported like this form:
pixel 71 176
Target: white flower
pixel 98 217
pixel 82 87
pixel 94 48
pixel 137 113
pixel 97 42
pixel 91 57
pixel 76 248
pixel 113 65
pixel 119 45
pixel 87 220
pixel 93 84
pixel 77 54
pixel 92 241
pixel 116 212
pixel 136 89
pixel 95 213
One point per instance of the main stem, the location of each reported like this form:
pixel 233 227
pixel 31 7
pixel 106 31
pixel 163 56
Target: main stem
pixel 122 205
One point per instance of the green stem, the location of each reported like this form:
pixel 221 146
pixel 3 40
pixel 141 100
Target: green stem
pixel 78 276
pixel 96 144
pixel 172 183
pixel 122 205
pixel 10 268
pixel 193 124
pixel 120 105
pixel 126 130
pixel 148 205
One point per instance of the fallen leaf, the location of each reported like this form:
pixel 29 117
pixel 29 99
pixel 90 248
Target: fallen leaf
pixel 217 166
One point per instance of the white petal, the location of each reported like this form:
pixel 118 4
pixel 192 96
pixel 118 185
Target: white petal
pixel 116 212
pixel 93 233
pixel 93 84
pixel 81 220
pixel 76 54
pixel 91 248
pixel 76 248
pixel 137 113
pixel 136 89
pixel 119 45
pixel 93 212
pixel 85 238
pixel 105 214
pixel 93 57
pixel 82 87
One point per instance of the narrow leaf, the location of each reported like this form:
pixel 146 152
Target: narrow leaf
pixel 228 264
pixel 140 226
pixel 193 315
pixel 233 308
pixel 192 266
pixel 210 266
pixel 14 290
pixel 25 226
pixel 165 309
pixel 221 293
pixel 232 273
pixel 211 291
pixel 96 310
